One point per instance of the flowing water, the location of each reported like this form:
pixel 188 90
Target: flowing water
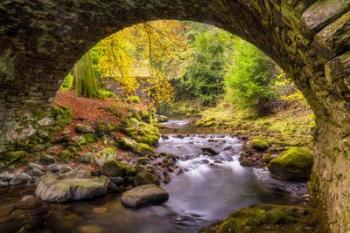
pixel 211 186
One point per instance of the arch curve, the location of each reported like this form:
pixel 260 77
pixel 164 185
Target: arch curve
pixel 41 40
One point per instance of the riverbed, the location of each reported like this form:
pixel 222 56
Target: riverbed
pixel 209 185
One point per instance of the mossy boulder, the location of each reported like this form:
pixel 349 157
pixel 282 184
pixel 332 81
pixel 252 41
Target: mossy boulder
pixel 259 144
pixel 265 218
pixel 145 177
pixel 67 155
pixel 140 131
pixel 139 148
pixel 267 158
pixel 162 118
pixel 62 116
pixel 80 128
pixel 116 168
pixel 15 156
pixel 209 122
pixel 293 164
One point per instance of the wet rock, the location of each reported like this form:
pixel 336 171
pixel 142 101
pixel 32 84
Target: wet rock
pixel 144 195
pixel 20 178
pixel 165 137
pixel 6 176
pixel 117 180
pixel 293 164
pixel 209 151
pixel 77 173
pixel 53 168
pixel 28 202
pixel 35 172
pixel 54 189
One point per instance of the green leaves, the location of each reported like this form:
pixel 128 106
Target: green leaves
pixel 251 78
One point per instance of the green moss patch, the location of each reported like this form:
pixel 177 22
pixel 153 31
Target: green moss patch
pixel 292 164
pixel 259 144
pixel 115 168
pixel 266 218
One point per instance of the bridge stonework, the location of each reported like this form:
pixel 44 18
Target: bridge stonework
pixel 40 40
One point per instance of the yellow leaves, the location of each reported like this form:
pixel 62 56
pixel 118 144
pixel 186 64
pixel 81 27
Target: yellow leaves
pixel 156 44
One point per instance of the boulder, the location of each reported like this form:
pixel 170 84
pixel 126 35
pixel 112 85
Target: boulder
pixel 20 178
pixel 144 195
pixel 162 118
pixel 117 168
pixel 209 151
pixel 47 159
pixel 259 144
pixel 80 128
pixel 293 164
pixel 53 189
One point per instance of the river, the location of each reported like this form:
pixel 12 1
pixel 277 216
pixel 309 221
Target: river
pixel 212 184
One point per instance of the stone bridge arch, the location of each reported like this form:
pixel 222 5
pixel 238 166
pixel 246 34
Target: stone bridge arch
pixel 40 40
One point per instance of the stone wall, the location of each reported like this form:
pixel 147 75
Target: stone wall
pixel 310 39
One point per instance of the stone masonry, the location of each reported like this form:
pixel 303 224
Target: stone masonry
pixel 40 40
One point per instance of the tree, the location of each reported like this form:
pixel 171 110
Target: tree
pixel 155 44
pixel 84 75
pixel 203 77
pixel 251 78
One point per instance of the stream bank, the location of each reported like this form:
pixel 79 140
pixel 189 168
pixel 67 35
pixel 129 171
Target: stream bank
pixel 207 183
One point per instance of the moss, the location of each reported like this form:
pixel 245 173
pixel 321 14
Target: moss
pixel 267 158
pixel 86 139
pixel 292 164
pixel 140 131
pixel 15 156
pixel 143 178
pixel 138 148
pixel 143 149
pixel 103 128
pixel 266 218
pixel 116 168
pixel 66 155
pixel 62 115
pixel 209 122
pixel 259 144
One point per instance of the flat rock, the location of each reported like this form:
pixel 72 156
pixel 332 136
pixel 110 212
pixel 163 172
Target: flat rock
pixel 53 189
pixel 144 195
